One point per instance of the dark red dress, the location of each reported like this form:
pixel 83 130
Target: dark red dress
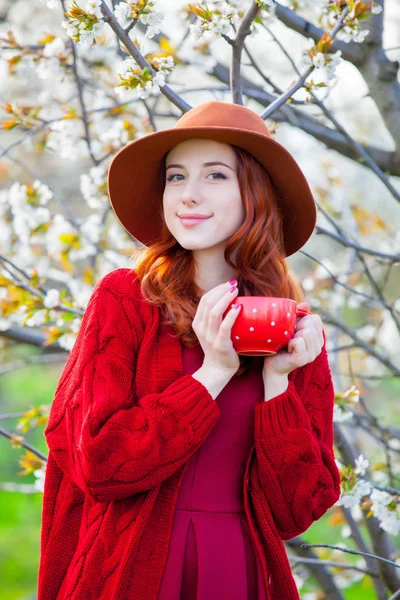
pixel 211 554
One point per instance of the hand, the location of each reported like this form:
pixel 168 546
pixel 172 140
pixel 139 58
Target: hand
pixel 305 345
pixel 213 332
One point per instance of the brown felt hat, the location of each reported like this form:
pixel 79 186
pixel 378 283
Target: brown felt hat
pixel 135 181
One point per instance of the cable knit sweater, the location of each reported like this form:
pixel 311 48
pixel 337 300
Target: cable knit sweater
pixel 123 424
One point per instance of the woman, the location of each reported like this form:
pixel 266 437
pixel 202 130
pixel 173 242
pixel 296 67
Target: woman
pixel 176 468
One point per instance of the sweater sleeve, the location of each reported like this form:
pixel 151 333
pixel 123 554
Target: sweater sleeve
pixel 295 464
pixel 112 444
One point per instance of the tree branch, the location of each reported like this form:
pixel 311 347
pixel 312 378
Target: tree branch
pixel 237 49
pixel 139 58
pixel 278 102
pixel 380 541
pixel 353 52
pixel 334 140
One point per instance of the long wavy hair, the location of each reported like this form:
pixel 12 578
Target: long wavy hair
pixel 166 270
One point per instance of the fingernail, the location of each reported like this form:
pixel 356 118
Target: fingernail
pixel 233 281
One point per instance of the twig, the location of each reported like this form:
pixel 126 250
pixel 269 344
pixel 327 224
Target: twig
pixel 11 436
pixel 300 82
pixel 386 560
pixel 237 49
pixel 352 51
pixel 330 563
pixel 139 58
pixel 80 94
pixel 350 244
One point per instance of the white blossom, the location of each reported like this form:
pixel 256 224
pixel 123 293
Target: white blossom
pixel 43 191
pixel 93 7
pixel 352 394
pixel 354 496
pixel 81 293
pixel 71 27
pixel 376 9
pixel 58 227
pixel 53 48
pixel 52 298
pixel 361 465
pixel 37 319
pixel 394 443
pixel 196 30
pixel 87 36
pixel 28 219
pixel 345 531
pixel 340 414
pixel 89 185
pixel 367 333
pixel 220 23
pixel 40 474
pixel 354 302
pixel 122 13
pixel 389 519
pixel 67 341
pixel 319 60
pixel 354 34
pixel 325 273
pixel 50 3
pixel 91 228
pixel 5 324
pixel 49 68
pixel 66 139
pixel 17 195
pixel 111 134
pixel 308 284
pixel 164 63
pixel 153 21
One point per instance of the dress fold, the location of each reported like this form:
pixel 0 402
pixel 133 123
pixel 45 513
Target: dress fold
pixel 211 553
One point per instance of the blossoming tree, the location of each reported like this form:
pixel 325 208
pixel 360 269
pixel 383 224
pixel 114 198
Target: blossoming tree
pixel 102 73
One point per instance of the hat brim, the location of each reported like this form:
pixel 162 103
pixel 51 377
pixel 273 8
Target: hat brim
pixel 136 197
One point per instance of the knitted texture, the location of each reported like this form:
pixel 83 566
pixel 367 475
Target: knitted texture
pixel 123 424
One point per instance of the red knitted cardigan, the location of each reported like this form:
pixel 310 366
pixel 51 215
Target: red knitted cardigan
pixel 122 426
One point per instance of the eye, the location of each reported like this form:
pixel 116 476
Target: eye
pixel 174 175
pixel 170 178
pixel 220 174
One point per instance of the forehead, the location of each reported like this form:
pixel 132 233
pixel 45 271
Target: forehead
pixel 198 148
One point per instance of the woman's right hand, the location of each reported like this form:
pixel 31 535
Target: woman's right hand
pixel 213 332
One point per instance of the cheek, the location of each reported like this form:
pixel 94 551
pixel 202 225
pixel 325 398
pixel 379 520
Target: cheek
pixel 167 203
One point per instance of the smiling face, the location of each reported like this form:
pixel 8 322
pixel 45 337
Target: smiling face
pixel 193 186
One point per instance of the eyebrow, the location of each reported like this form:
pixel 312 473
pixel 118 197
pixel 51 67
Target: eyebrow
pixel 206 164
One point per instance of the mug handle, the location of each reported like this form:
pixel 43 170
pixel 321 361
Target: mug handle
pixel 300 312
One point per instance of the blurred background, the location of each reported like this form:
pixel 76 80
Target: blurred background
pixel 64 116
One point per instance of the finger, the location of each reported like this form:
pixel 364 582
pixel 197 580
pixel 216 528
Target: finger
pixel 224 333
pixel 309 338
pixel 311 321
pixel 314 321
pixel 209 299
pixel 297 346
pixel 215 316
pixel 304 305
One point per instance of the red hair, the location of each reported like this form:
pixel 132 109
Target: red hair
pixel 167 271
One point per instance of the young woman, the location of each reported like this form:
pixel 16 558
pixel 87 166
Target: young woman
pixel 176 467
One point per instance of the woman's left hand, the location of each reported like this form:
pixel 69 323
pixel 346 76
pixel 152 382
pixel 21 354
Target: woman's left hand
pixel 305 345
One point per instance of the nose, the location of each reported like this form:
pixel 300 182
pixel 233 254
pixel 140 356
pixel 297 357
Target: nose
pixel 190 191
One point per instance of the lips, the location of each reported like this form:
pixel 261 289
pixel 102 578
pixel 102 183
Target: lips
pixel 190 221
pixel 194 217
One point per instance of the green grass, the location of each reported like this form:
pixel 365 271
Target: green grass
pixel 20 517
pixel 20 514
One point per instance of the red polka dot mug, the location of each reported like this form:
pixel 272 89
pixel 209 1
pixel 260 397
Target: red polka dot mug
pixel 264 325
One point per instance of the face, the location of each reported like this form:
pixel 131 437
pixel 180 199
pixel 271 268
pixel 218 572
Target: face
pixel 192 186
